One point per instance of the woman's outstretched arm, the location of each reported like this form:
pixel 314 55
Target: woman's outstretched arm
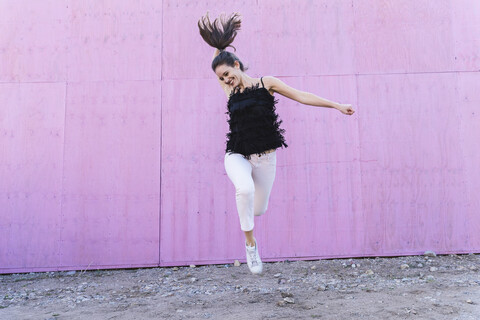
pixel 277 85
pixel 222 84
pixel 216 53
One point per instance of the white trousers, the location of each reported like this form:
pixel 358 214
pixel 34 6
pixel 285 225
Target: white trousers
pixel 253 181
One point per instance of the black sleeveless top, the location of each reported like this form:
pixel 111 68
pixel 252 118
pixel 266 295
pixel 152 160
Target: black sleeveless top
pixel 254 124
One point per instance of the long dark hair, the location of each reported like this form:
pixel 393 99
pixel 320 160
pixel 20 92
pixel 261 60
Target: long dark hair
pixel 220 34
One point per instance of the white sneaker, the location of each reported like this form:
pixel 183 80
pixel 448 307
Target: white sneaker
pixel 253 259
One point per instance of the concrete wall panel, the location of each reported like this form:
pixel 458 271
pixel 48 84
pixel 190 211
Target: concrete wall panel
pixel 315 190
pixel 31 143
pixel 465 28
pixel 114 40
pixel 33 40
pixel 466 104
pixel 111 174
pixel 415 190
pixel 403 36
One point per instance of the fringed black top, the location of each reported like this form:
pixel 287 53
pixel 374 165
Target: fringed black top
pixel 254 124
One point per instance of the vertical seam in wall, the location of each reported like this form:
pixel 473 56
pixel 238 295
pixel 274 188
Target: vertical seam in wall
pixel 456 100
pixel 62 188
pixel 161 145
pixel 357 75
pixel 362 210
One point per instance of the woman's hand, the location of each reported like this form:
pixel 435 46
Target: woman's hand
pixel 345 109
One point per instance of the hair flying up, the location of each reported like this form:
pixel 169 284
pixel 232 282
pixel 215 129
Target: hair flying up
pixel 221 32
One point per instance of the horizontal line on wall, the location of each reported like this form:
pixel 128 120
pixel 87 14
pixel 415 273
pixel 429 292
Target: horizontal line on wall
pixel 341 75
pixel 279 76
pixel 89 81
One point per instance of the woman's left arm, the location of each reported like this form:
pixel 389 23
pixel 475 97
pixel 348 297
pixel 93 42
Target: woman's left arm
pixel 277 85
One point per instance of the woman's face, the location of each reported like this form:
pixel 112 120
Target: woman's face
pixel 229 75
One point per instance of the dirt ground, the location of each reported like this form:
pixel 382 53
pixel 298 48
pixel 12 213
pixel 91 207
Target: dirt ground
pixel 413 287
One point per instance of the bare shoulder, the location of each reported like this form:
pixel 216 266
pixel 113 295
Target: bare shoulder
pixel 275 85
pixel 269 82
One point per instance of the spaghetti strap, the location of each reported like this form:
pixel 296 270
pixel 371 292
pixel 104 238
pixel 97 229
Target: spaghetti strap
pixel 262 82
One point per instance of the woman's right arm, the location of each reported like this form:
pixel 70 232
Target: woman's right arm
pixel 222 84
pixel 220 34
pixel 216 53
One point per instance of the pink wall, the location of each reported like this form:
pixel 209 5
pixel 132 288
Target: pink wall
pixel 112 131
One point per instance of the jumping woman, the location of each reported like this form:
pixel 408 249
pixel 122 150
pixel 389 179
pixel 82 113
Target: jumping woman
pixel 255 133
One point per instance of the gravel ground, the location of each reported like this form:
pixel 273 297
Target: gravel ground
pixel 416 287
